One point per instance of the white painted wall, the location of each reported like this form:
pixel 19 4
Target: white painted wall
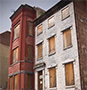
pixel 61 55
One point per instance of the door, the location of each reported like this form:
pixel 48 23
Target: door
pixel 40 80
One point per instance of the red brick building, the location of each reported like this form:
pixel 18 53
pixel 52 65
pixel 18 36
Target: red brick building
pixel 21 73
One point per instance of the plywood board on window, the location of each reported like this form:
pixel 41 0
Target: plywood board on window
pixel 52 76
pixel 69 74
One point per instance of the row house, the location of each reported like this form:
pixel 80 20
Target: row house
pixel 61 47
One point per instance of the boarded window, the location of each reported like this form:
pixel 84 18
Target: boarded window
pixel 67 38
pixel 11 82
pixel 51 22
pixel 52 77
pixel 30 28
pixel 15 55
pixel 16 32
pixel 30 52
pixel 39 50
pixel 65 13
pixel 40 80
pixel 51 45
pixel 29 82
pixel 69 74
pixel 39 29
pixel 16 82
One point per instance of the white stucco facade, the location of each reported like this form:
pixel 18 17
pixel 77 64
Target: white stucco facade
pixel 61 55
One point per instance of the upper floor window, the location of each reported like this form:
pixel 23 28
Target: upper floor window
pixel 51 45
pixel 67 38
pixel 39 29
pixel 51 22
pixel 16 32
pixel 15 55
pixel 30 28
pixel 30 52
pixel 65 13
pixel 52 77
pixel 39 50
pixel 69 74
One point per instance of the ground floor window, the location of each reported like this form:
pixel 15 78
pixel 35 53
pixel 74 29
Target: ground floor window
pixel 69 74
pixel 52 77
pixel 15 82
pixel 10 83
pixel 29 82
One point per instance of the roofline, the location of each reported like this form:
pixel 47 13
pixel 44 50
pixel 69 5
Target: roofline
pixel 51 11
pixel 22 6
pixel 5 32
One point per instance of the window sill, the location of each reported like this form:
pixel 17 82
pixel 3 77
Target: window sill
pixel 15 39
pixel 13 64
pixel 65 17
pixel 30 35
pixel 72 86
pixel 52 53
pixel 68 47
pixel 39 34
pixel 39 58
pixel 51 26
pixel 54 88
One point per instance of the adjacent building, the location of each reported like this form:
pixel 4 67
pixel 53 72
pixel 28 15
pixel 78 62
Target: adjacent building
pixel 4 58
pixel 22 48
pixel 49 52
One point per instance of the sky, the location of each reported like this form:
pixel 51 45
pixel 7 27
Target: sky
pixel 7 7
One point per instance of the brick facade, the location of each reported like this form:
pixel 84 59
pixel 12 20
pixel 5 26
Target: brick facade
pixel 81 29
pixel 23 67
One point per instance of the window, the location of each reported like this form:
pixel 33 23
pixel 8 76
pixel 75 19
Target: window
pixel 67 38
pixel 29 82
pixel 52 77
pixel 52 45
pixel 30 52
pixel 69 74
pixel 39 50
pixel 15 55
pixel 16 32
pixel 30 28
pixel 16 82
pixel 39 29
pixel 51 22
pixel 11 82
pixel 40 81
pixel 65 13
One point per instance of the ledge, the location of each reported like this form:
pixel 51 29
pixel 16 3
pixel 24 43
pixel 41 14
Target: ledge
pixel 52 54
pixel 39 34
pixel 40 59
pixel 68 47
pixel 30 35
pixel 55 88
pixel 51 26
pixel 72 86
pixel 15 39
pixel 20 61
pixel 20 72
pixel 65 17
pixel 68 61
pixel 39 65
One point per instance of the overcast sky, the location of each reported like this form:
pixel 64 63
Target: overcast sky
pixel 7 7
